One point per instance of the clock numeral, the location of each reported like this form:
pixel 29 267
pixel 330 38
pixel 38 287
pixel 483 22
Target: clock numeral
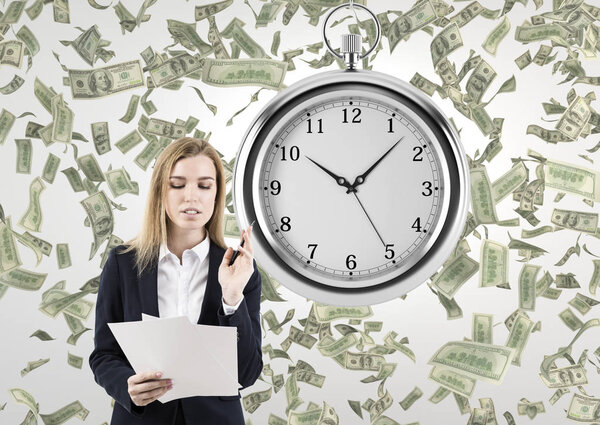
pixel 294 153
pixel 428 184
pixel 355 119
pixel 312 253
pixel 389 250
pixel 417 224
pixel 391 130
pixel 419 150
pixel 275 186
pixel 285 224
pixel 350 263
pixel 320 121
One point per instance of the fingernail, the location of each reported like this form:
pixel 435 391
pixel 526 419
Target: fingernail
pixel 158 373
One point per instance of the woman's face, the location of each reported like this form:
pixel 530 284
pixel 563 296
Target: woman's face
pixel 192 184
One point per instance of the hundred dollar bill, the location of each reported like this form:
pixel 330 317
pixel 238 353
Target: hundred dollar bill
pixel 527 286
pixel 6 122
pixel 165 128
pixel 566 281
pixel 99 212
pixel 57 301
pixel 50 168
pixel 86 44
pixel 573 120
pixel 129 141
pixel 508 182
pixel 519 335
pixel 328 313
pixel 447 41
pixel 204 11
pixel 33 365
pixel 175 68
pixel 380 406
pixel 455 274
pixel 485 362
pixel 74 409
pixel 482 328
pixel 541 32
pixel 23 279
pixel 565 377
pixel 583 303
pixel 9 258
pixel 74 361
pixel 452 380
pixel 584 408
pixel 90 167
pixel 143 159
pixel 11 53
pixel 23 397
pixel 188 37
pixel 420 15
pixel 24 150
pixel 100 137
pixel 479 81
pixel 410 399
pixel 423 84
pixel 100 82
pixel 338 346
pixel 551 136
pixel 32 219
pixel 62 255
pixel 492 41
pixel 484 209
pixel 569 319
pixel 576 220
pixel 265 73
pixel 479 416
pixel 119 182
pixel 572 179
pixel 255 399
pixel 268 13
pixel 493 268
pixel 467 14
pixel 363 361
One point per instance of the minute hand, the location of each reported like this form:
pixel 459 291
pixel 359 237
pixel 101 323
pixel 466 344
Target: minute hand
pixel 361 178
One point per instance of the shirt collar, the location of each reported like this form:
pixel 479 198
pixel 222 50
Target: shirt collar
pixel 201 250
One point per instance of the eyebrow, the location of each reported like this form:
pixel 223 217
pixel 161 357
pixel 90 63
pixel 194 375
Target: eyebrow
pixel 199 178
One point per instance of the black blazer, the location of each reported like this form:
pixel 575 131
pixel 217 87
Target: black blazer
pixel 122 297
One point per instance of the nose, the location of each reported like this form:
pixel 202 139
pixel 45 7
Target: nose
pixel 191 192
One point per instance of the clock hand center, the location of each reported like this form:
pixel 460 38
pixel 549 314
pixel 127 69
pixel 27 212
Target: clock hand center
pixel 338 179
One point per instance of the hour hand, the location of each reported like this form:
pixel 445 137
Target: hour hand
pixel 339 180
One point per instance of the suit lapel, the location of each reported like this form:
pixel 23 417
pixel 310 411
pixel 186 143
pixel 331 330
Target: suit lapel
pixel 212 291
pixel 149 291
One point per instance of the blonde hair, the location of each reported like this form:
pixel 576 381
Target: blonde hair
pixel 154 225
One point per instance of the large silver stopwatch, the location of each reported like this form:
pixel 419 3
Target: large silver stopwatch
pixel 357 182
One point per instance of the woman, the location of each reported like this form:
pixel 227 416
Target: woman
pixel 178 265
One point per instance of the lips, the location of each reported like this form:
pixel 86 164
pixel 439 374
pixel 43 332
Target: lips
pixel 190 209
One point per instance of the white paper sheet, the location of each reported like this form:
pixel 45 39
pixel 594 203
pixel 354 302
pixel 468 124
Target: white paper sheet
pixel 201 360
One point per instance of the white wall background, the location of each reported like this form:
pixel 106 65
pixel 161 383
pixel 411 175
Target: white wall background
pixel 420 317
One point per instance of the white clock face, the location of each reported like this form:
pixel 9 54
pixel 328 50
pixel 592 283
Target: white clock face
pixel 352 188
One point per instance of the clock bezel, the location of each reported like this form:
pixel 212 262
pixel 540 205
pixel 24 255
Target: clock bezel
pixel 267 251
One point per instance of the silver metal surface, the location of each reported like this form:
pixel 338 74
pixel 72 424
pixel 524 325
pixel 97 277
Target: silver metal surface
pixel 351 59
pixel 247 185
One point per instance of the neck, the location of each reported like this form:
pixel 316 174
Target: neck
pixel 179 239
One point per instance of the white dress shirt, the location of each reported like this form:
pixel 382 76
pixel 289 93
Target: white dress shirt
pixel 181 285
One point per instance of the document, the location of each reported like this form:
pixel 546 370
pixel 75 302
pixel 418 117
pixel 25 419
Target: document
pixel 200 359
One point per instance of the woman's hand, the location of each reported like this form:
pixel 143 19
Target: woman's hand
pixel 144 388
pixel 233 279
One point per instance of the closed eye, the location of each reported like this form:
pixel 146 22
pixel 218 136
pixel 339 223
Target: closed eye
pixel 201 187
